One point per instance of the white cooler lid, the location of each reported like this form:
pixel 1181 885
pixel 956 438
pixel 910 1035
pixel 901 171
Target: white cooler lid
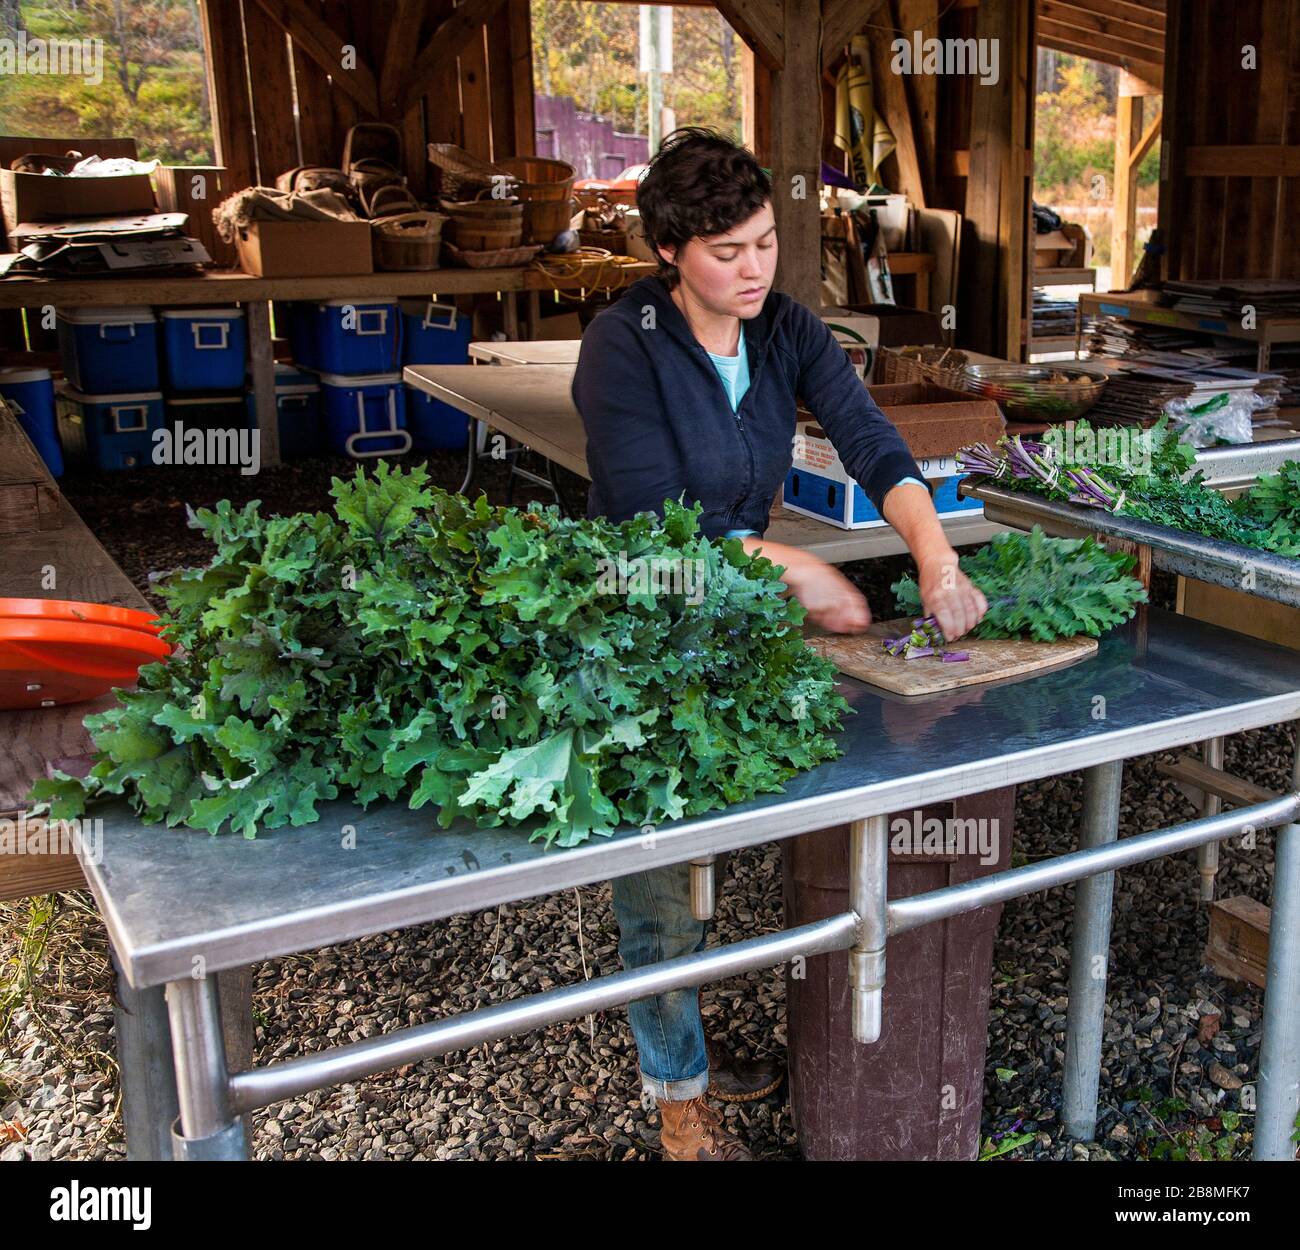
pixel 364 302
pixel 11 375
pixel 207 314
pixel 360 379
pixel 98 314
pixel 142 397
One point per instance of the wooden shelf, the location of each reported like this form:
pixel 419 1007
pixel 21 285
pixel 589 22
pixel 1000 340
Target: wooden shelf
pixel 1143 306
pixel 1065 277
pixel 231 286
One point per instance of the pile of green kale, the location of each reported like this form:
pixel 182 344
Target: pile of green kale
pixel 509 666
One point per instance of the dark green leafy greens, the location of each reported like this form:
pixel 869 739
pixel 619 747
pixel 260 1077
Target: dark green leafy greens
pixel 1165 492
pixel 487 660
pixel 1044 588
pixel 1273 503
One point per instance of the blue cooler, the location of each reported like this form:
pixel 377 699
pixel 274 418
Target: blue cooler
pixel 365 416
pixel 434 334
pixel 302 335
pixel 225 410
pixel 30 395
pixel 434 425
pixel 348 336
pixel 204 349
pixel 297 400
pixel 109 351
pixel 118 428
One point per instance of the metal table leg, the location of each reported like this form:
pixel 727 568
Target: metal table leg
pixel 1207 857
pixel 868 894
pixel 1089 953
pixel 144 1057
pixel 207 1128
pixel 1279 1052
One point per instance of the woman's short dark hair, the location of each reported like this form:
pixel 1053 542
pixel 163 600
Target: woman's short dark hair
pixel 699 184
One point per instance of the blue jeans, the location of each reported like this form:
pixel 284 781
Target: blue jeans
pixel 655 923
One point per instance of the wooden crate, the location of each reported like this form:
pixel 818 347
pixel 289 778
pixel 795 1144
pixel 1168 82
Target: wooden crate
pixel 1237 946
pixel 1235 609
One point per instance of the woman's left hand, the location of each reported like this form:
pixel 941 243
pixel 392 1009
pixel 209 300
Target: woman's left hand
pixel 949 596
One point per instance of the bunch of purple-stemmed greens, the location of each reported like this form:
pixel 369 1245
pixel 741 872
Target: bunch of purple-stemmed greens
pixel 926 639
pixel 1038 466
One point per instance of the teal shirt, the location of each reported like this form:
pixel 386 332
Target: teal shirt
pixel 734 372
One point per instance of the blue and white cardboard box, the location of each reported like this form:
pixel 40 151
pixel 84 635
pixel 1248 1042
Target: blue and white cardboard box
pixel 817 484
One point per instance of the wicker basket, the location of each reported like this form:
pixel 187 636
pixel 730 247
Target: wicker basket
pixel 407 241
pixel 498 258
pixel 485 224
pixel 546 188
pixel 462 175
pixel 944 366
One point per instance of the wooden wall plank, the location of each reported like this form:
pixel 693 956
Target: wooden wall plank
pixel 501 83
pixel 271 88
pixel 232 116
pixel 476 108
pixel 315 111
pixel 521 67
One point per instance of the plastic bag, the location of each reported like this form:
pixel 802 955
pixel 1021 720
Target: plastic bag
pixel 1224 419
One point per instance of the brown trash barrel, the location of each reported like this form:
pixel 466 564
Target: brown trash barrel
pixel 546 189
pixel 917 1093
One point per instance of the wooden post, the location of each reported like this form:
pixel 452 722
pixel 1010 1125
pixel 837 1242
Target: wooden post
pixel 796 149
pixel 1132 144
pixel 997 274
pixel 262 365
pixel 756 105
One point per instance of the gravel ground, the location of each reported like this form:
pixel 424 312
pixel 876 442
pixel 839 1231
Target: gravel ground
pixel 1180 1051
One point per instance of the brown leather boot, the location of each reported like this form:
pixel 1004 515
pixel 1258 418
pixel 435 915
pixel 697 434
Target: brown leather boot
pixel 740 1080
pixel 693 1130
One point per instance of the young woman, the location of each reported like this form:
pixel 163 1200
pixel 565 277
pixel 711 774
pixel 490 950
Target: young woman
pixel 687 388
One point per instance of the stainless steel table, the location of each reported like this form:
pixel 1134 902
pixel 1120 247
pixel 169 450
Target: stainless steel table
pixel 179 905
pixel 532 406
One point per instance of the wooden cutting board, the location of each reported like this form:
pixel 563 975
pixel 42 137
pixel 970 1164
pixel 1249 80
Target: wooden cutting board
pixel 991 659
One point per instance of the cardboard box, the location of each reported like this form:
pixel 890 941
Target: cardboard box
pixel 901 326
pixel 297 249
pixel 934 421
pixel 45 197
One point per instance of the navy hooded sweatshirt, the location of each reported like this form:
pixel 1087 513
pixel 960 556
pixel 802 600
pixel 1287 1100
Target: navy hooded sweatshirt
pixel 660 426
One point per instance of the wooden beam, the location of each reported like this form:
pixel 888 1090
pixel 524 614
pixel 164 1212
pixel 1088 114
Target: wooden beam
pixel 842 19
pixel 452 37
pixel 403 35
pixel 922 89
pixel 270 86
pixel 323 44
pixel 756 105
pixel 796 153
pixel 1128 130
pixel 1152 71
pixel 759 24
pixel 1087 20
pixel 1100 47
pixel 1255 160
pixel 1149 136
pixel 521 62
pixel 890 99
pixel 232 112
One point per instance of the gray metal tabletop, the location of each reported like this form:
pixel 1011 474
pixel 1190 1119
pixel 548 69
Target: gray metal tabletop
pixel 170 897
pixel 533 406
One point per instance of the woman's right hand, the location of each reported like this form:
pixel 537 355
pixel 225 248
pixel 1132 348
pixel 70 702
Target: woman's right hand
pixel 832 601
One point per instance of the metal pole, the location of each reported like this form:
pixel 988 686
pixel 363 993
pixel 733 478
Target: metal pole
pixel 1089 951
pixel 702 894
pixel 1207 858
pixel 209 1127
pixel 259 1087
pixel 1279 1052
pixel 953 900
pixel 868 895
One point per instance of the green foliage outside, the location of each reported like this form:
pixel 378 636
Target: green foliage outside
pixel 589 53
pixel 153 86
